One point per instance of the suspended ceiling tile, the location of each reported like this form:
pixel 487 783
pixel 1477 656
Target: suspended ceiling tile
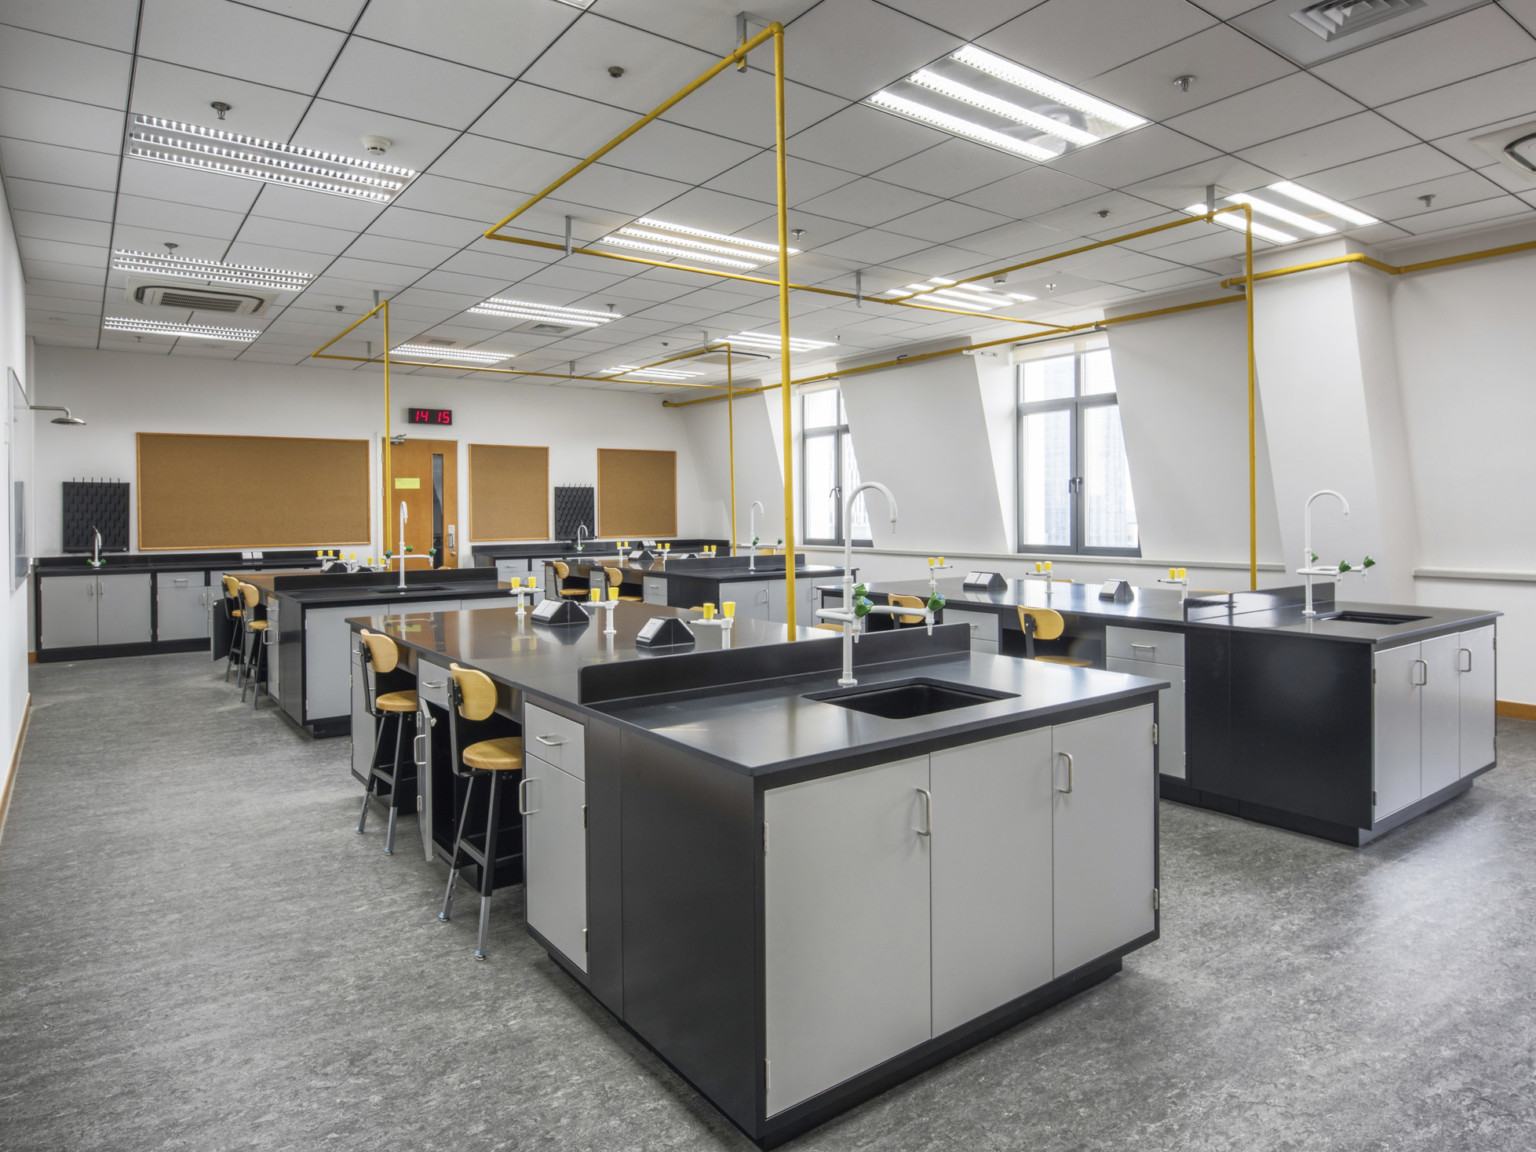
pixel 554 121
pixel 1508 179
pixel 861 139
pixel 706 24
pixel 739 106
pixel 391 249
pixel 1401 205
pixel 295 236
pixel 1466 215
pixel 1173 278
pixel 654 68
pixel 68 69
pixel 1501 95
pixel 891 45
pixel 66 200
pixel 1226 9
pixel 818 231
pixel 1217 243
pixel 757 179
pixel 1353 138
pixel 952 167
pixel 69 289
pixel 503 266
pixel 374 272
pixel 502 36
pixel 562 278
pixel 512 169
pixel 872 246
pixel 1133 156
pixel 1522 10
pixel 1187 186
pixel 966 19
pixel 1083 219
pixel 180 93
pixel 1222 61
pixel 66 273
pixel 340 14
pixel 464 199
pixel 1462 46
pixel 1382 173
pixel 340 128
pixel 653 288
pixel 28 116
pixel 304 207
pixel 246 43
pixel 868 202
pixel 945 221
pixel 427 227
pixel 1278 108
pixel 45 306
pixel 135 238
pixel 1012 239
pixel 1031 192
pixel 1116 265
pixel 410 84
pixel 189 186
pixel 106 23
pixel 30 160
pixel 616 190
pixel 679 153
pixel 1459 145
pixel 1073 40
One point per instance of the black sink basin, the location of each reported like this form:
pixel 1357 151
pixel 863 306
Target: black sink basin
pixel 396 590
pixel 910 698
pixel 1349 617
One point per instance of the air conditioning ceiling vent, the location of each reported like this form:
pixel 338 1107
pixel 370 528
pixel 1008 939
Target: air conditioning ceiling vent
pixel 545 328
pixel 1334 18
pixel 195 298
pixel 736 357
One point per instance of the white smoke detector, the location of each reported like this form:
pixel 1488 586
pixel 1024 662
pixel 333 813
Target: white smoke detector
pixel 376 145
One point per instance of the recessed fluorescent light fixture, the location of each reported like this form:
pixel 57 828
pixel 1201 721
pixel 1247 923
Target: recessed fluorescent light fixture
pixel 983 97
pixel 548 313
pixel 620 370
pixel 970 295
pixel 1318 200
pixel 686 242
pixel 772 343
pixel 193 268
pixel 248 158
pixel 166 328
pixel 1232 220
pixel 582 4
pixel 1284 215
pixel 467 355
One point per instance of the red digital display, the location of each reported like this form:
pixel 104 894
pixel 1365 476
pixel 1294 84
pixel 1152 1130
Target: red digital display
pixel 430 415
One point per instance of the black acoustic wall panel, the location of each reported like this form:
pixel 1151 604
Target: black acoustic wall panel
pixel 102 504
pixel 574 506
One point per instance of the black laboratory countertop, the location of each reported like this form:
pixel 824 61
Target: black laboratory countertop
pixel 135 563
pixel 749 714
pixel 724 569
pixel 1275 610
pixel 316 592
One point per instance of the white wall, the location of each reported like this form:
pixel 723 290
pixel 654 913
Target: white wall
pixel 13 617
pixel 759 471
pixel 120 394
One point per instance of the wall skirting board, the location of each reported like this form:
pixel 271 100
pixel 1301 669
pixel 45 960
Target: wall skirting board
pixel 1053 557
pixel 10 776
pixel 1516 711
pixel 1488 575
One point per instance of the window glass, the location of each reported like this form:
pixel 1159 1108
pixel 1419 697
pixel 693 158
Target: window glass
pixel 1053 379
pixel 1109 513
pixel 850 482
pixel 1098 373
pixel 1046 463
pixel 821 408
pixel 819 479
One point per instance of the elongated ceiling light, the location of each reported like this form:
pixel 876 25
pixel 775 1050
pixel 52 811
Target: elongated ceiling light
pixel 467 355
pixel 249 158
pixel 1318 200
pixel 948 293
pixel 769 342
pixel 547 313
pixel 983 97
pixel 1232 220
pixel 685 242
pixel 193 268
pixel 167 328
pixel 619 371
pixel 1284 215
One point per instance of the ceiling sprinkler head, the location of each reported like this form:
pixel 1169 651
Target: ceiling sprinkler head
pixel 1000 278
pixel 171 245
pixel 615 71
pixel 1103 213
pixel 1182 83
pixel 797 232
pixel 1427 199
pixel 221 108
pixel 376 145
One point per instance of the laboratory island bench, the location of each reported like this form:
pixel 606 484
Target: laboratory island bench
pixel 794 902
pixel 1342 725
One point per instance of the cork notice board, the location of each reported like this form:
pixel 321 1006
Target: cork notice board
pixel 636 493
pixel 251 492
pixel 508 492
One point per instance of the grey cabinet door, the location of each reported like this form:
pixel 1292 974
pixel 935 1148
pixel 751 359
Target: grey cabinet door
pixel 778 601
pixel 1397 777
pixel 1439 714
pixel 846 932
pixel 1105 802
pixel 653 589
pixel 68 612
pixel 431 688
pixel 181 606
pixel 1170 710
pixel 1476 671
pixel 751 598
pixel 122 609
pixel 992 932
pixel 364 732
pixel 553 804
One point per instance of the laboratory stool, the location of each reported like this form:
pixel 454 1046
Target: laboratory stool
pixel 472 703
pixel 382 654
pixel 616 580
pixel 231 607
pixel 828 627
pixel 1046 624
pixel 574 592
pixel 253 644
pixel 899 600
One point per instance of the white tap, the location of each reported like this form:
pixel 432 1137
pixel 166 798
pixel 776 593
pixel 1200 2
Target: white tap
pixel 581 530
pixel 1309 566
pixel 757 506
pixel 403 557
pixel 95 547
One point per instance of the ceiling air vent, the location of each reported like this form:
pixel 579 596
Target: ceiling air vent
pixel 1334 18
pixel 191 297
pixel 545 328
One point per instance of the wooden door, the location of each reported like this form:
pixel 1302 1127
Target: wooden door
pixel 425 474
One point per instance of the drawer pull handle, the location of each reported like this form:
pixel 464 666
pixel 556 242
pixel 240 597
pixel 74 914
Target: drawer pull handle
pixel 927 828
pixel 1467 652
pixel 550 741
pixel 1424 671
pixel 522 798
pixel 434 683
pixel 1068 757
pixel 1146 647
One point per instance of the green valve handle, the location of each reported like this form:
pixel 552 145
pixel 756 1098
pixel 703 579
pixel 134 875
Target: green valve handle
pixel 1368 563
pixel 861 589
pixel 862 605
pixel 936 602
pixel 1345 566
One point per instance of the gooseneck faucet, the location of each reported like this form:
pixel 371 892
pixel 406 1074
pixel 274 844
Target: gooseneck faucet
pixel 757 506
pixel 403 557
pixel 95 547
pixel 848 615
pixel 581 530
pixel 1309 565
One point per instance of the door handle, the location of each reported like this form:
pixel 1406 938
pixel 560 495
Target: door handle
pixel 433 683
pixel 1068 757
pixel 549 741
pixel 522 798
pixel 451 527
pixel 418 749
pixel 1467 652
pixel 927 828
pixel 1424 667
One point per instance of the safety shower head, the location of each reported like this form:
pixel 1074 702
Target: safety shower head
pixel 68 417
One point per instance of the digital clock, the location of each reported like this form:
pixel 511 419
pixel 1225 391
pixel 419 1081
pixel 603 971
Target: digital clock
pixel 430 415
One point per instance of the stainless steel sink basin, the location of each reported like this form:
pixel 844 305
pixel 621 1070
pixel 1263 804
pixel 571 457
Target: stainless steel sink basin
pixel 1351 617
pixel 909 698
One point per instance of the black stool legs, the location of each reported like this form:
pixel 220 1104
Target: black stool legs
pixel 390 777
pixel 485 857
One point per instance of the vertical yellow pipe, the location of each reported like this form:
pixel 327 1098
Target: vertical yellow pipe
pixel 730 424
pixel 387 485
pixel 789 433
pixel 1253 451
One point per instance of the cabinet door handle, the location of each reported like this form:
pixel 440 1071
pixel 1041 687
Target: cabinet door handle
pixel 1068 757
pixel 522 798
pixel 419 749
pixel 1424 671
pixel 927 828
pixel 433 683
pixel 1467 652
pixel 549 741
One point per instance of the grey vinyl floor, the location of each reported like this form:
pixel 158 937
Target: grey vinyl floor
pixel 197 952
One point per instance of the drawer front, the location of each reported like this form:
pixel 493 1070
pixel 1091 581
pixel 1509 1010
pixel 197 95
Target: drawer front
pixel 432 684
pixel 654 590
pixel 555 740
pixel 984 625
pixel 1145 644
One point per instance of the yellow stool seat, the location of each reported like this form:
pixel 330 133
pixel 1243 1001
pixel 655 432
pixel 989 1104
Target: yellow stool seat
pixel 631 599
pixel 257 625
pixel 576 593
pixel 404 701
pixel 503 755
pixel 237 612
pixel 1069 661
pixel 828 627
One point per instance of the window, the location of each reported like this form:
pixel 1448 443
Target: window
pixel 828 470
pixel 1074 481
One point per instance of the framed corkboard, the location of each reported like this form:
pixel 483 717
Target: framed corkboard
pixel 636 493
pixel 251 492
pixel 508 492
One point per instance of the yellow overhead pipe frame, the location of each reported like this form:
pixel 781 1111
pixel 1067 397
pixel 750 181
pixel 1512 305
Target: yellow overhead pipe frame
pixel 1381 266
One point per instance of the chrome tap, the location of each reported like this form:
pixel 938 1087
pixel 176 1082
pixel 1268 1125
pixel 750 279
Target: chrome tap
pixel 95 547
pixel 581 530
pixel 404 556
pixel 1309 565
